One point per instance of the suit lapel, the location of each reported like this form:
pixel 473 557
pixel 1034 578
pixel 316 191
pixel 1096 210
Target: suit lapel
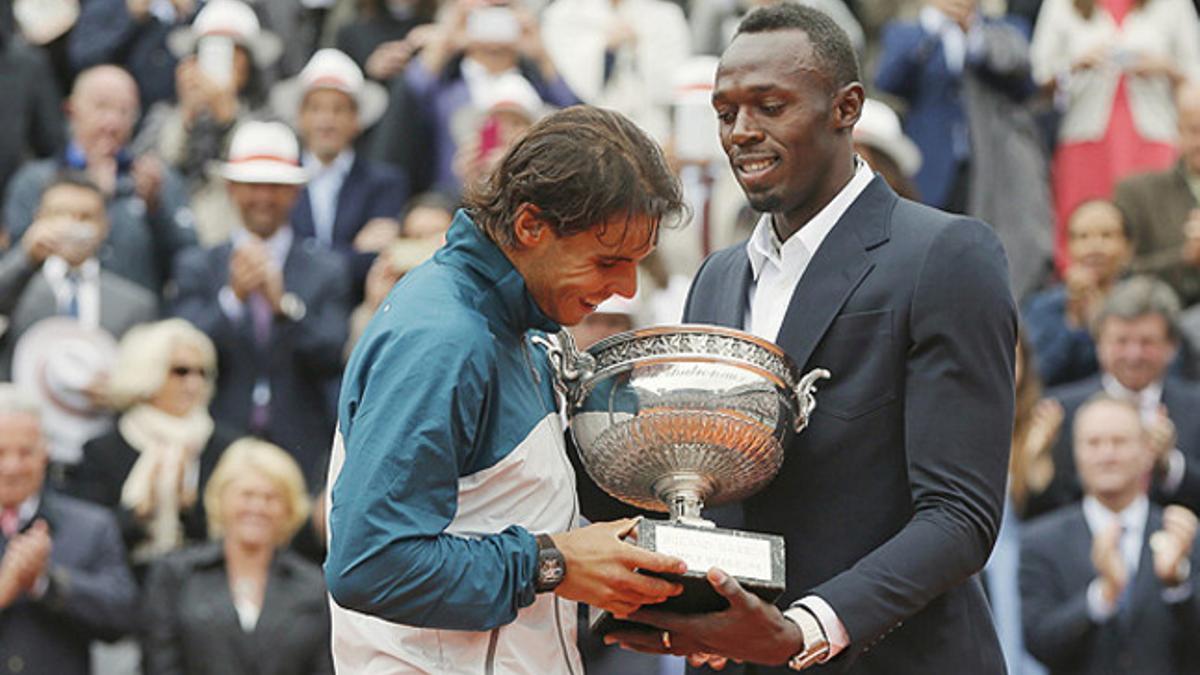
pixel 840 265
pixel 348 195
pixel 1145 583
pixel 302 217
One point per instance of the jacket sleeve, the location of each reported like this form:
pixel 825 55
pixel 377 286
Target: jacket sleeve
pixel 162 648
pixel 1055 623
pixel 410 416
pixel 958 416
pixel 100 595
pixel 906 48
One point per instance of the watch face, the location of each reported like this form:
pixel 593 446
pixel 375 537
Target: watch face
pixel 550 570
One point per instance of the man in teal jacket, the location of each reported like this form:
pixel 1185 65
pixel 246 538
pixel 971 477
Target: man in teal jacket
pixel 452 548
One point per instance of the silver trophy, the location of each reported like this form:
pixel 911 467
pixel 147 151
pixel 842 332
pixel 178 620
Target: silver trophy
pixel 674 418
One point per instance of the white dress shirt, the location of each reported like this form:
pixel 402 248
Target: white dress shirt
pixel 777 268
pixel 323 189
pixel 55 270
pixel 1133 531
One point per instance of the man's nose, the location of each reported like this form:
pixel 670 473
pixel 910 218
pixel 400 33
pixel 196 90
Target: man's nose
pixel 745 130
pixel 625 281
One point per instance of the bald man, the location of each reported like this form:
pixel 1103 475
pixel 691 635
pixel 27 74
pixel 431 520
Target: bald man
pixel 146 202
pixel 1163 208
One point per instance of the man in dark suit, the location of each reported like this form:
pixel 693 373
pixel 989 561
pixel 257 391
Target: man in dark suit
pixel 63 579
pixel 1105 584
pixel 54 271
pixel 351 203
pixel 1137 337
pixel 276 308
pixel 890 500
pixel 1163 208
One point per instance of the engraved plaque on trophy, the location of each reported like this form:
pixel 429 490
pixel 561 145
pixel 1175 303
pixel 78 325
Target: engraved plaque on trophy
pixel 673 418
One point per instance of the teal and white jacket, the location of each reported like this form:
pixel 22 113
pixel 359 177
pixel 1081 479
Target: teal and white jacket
pixel 449 454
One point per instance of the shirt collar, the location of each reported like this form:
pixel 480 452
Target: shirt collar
pixel 1151 393
pixel 1132 517
pixel 340 165
pixel 764 245
pixel 55 269
pixel 278 245
pixel 467 247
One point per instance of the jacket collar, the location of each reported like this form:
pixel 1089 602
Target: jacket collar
pixel 506 299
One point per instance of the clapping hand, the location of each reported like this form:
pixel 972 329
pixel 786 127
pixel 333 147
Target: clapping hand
pixel 1110 566
pixel 1171 546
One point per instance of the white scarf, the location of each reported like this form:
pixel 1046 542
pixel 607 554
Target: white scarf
pixel 169 448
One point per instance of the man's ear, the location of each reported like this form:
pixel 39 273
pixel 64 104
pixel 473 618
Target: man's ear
pixel 528 226
pixel 848 105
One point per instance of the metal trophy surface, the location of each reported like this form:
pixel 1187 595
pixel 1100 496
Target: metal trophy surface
pixel 673 418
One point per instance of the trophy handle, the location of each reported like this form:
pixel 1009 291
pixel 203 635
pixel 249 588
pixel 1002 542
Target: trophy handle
pixel 570 365
pixel 804 391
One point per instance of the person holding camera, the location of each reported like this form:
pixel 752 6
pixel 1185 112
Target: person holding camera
pixel 53 270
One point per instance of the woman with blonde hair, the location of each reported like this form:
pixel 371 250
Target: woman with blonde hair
pixel 241 603
pixel 152 468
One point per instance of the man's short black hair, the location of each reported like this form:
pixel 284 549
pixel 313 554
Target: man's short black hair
pixel 830 44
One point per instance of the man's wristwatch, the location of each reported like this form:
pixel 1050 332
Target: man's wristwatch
pixel 551 566
pixel 816 644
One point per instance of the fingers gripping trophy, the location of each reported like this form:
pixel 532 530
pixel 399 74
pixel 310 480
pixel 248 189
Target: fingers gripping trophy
pixel 673 418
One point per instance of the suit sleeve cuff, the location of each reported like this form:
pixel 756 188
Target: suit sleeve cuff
pixel 231 307
pixel 835 631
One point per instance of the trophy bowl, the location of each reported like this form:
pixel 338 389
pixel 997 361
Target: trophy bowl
pixel 674 418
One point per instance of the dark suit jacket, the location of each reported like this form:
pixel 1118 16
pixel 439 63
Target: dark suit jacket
pixel 890 500
pixel 91 593
pixel 372 190
pixel 1156 205
pixel 1150 637
pixel 107 461
pixel 302 359
pixel 1182 399
pixel 192 627
pixel 26 298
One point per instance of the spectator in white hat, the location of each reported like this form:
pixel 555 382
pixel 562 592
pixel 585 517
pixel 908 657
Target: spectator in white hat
pixel 506 107
pixel 351 203
pixel 224 55
pixel 879 139
pixel 275 307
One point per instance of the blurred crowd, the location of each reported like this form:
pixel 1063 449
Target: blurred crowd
pixel 204 202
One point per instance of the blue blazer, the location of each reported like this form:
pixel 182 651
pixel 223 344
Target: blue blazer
pixel 372 190
pixel 1149 636
pixel 301 360
pixel 913 67
pixel 890 500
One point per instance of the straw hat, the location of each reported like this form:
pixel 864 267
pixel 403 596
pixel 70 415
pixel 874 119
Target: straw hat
pixel 331 69
pixel 879 127
pixel 264 152
pixel 233 19
pixel 56 359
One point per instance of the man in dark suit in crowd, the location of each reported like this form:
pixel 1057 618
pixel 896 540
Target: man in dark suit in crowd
pixel 1163 208
pixel 276 308
pixel 63 579
pixel 1105 584
pixel 53 271
pixel 351 203
pixel 1137 337
pixel 890 500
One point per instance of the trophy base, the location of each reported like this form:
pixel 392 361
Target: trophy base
pixel 755 559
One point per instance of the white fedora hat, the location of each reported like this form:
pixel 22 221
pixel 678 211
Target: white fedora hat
pixel 331 69
pixel 232 19
pixel 264 152
pixel 879 127
pixel 56 360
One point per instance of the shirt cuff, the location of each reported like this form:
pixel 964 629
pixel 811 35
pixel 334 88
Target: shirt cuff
pixel 1099 610
pixel 835 631
pixel 1176 465
pixel 231 307
pixel 1177 594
